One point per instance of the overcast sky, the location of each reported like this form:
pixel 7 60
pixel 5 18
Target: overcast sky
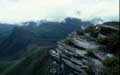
pixel 24 10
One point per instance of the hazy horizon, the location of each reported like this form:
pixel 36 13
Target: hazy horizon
pixel 12 11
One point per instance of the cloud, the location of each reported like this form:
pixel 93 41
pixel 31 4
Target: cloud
pixel 97 8
pixel 25 10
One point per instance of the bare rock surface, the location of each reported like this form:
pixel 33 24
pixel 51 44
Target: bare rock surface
pixel 83 57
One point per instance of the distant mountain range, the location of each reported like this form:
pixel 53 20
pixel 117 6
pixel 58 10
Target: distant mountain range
pixel 24 49
pixel 14 39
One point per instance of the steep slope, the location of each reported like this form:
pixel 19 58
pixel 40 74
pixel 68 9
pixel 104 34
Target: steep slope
pixel 17 41
pixel 30 33
pixel 17 49
pixel 5 31
pixel 82 54
pixel 35 62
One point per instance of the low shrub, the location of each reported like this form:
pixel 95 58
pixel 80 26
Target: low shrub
pixel 111 42
pixel 111 66
pixel 89 52
pixel 80 32
pixel 92 30
pixel 68 41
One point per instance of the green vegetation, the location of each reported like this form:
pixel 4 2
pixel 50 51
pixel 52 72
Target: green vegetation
pixel 68 41
pixel 4 65
pixel 80 32
pixel 114 24
pixel 35 62
pixel 111 42
pixel 91 29
pixel 112 66
pixel 89 52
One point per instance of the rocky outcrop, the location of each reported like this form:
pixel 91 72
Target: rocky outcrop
pixel 110 28
pixel 106 29
pixel 81 56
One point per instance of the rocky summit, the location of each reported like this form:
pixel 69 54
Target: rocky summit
pixel 78 54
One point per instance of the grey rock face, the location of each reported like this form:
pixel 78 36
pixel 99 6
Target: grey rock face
pixel 81 58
